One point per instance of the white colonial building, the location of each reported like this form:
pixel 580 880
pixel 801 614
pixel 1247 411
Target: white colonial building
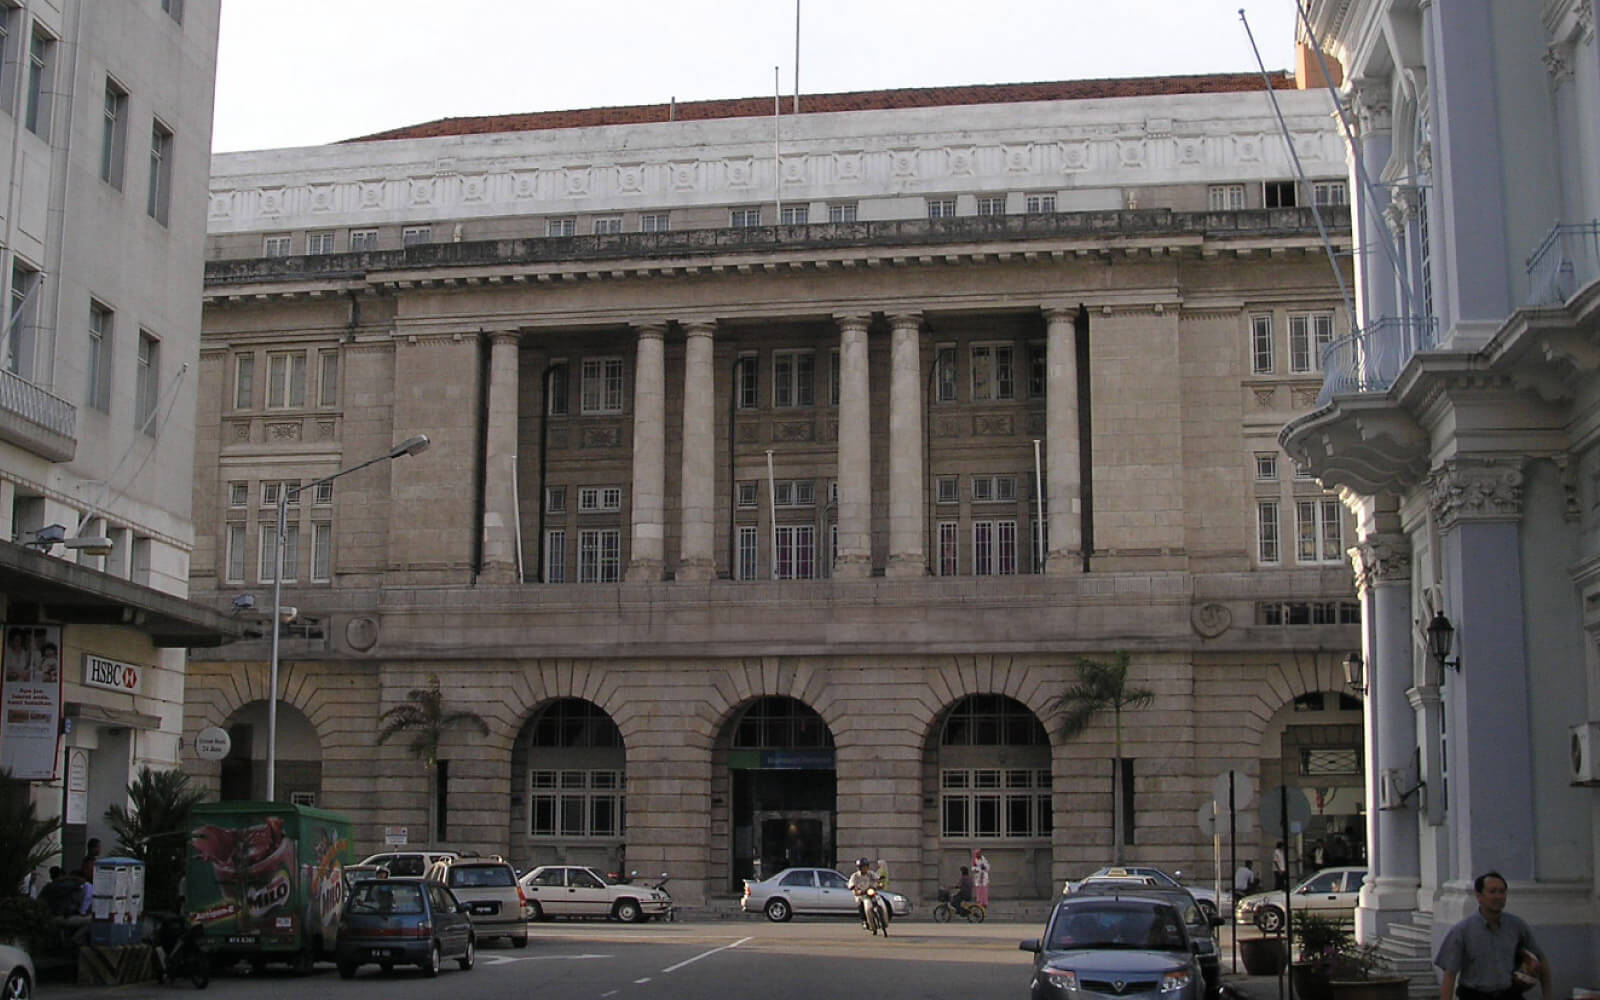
pixel 105 136
pixel 1461 420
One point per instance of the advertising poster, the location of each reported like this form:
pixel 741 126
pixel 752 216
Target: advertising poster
pixel 242 872
pixel 30 701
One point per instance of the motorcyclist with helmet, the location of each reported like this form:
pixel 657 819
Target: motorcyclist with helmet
pixel 863 879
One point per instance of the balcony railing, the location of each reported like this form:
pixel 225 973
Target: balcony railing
pixel 37 420
pixel 1567 260
pixel 1370 360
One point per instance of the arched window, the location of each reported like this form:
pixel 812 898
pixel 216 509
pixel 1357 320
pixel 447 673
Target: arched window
pixel 779 723
pixel 994 771
pixel 575 774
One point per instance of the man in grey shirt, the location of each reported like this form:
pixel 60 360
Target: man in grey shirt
pixel 1483 954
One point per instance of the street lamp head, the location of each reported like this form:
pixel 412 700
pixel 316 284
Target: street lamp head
pixel 1441 638
pixel 1355 672
pixel 410 446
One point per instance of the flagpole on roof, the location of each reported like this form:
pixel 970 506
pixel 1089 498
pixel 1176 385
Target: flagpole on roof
pixel 777 155
pixel 796 57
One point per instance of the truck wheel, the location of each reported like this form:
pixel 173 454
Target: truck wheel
pixel 347 970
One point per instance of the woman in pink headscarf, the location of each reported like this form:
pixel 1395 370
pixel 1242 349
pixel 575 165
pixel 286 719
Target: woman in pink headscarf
pixel 980 877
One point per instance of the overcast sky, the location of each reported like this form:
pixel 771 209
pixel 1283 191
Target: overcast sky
pixel 307 72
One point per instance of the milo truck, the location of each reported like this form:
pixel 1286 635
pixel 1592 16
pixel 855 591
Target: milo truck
pixel 266 880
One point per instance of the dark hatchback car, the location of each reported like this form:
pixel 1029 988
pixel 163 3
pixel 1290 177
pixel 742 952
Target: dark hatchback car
pixel 1115 946
pixel 1202 925
pixel 404 921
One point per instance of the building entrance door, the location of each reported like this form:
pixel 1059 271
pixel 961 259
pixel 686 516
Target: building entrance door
pixel 796 839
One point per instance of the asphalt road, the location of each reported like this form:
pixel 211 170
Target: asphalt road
pixel 713 960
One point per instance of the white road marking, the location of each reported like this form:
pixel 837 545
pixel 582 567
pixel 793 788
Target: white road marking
pixel 703 954
pixel 507 959
pixel 638 982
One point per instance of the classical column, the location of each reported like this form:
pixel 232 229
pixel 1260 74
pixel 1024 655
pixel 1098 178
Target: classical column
pixel 1476 504
pixel 649 454
pixel 907 553
pixel 696 560
pixel 855 452
pixel 1063 487
pixel 1377 277
pixel 500 458
pixel 1382 564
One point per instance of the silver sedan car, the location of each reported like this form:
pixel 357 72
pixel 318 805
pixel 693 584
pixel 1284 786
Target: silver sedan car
pixel 809 890
pixel 16 968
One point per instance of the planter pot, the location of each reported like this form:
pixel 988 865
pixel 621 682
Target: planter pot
pixel 1310 983
pixel 1387 988
pixel 1263 956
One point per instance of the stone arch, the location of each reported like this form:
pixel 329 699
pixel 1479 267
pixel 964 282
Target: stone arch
pixel 568 787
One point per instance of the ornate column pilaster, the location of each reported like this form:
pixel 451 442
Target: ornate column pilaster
pixel 1476 503
pixel 1063 504
pixel 855 452
pixel 696 560
pixel 1374 277
pixel 1382 564
pixel 647 551
pixel 907 551
pixel 500 456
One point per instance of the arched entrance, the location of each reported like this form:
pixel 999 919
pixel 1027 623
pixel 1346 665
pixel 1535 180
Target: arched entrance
pixel 1319 750
pixel 774 763
pixel 989 757
pixel 569 802
pixel 299 756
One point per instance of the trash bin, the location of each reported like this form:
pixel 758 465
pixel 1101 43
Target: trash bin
pixel 118 901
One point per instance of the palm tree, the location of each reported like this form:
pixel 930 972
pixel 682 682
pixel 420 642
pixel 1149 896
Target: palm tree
pixel 155 829
pixel 1102 685
pixel 26 841
pixel 423 715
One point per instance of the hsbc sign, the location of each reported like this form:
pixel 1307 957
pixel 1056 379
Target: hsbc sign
pixel 112 675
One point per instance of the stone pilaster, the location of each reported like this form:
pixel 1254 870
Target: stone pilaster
pixel 500 459
pixel 647 551
pixel 907 551
pixel 1063 485
pixel 696 559
pixel 855 452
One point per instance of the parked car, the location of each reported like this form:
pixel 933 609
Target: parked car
pixel 494 900
pixel 1207 898
pixel 576 891
pixel 17 968
pixel 411 864
pixel 404 921
pixel 809 890
pixel 1332 892
pixel 1115 945
pixel 1202 927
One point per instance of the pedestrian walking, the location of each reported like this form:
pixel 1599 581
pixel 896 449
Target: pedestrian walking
pixel 980 877
pixel 1491 954
pixel 1280 868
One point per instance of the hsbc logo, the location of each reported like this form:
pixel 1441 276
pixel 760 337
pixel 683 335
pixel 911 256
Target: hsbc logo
pixel 112 675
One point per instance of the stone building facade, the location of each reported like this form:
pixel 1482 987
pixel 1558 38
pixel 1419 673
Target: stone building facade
pixel 730 529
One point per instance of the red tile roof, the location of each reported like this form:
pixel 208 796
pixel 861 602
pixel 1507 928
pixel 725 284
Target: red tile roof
pixel 865 100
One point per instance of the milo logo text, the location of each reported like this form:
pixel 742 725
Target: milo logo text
pixel 265 899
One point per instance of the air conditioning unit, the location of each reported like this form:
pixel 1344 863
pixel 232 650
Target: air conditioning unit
pixel 1586 753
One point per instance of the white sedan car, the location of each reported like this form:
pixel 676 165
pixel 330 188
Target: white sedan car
pixel 808 890
pixel 16 968
pixel 575 891
pixel 1332 892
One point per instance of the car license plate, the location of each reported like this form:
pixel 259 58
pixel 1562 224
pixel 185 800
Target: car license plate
pixel 485 907
pixel 383 953
pixel 241 939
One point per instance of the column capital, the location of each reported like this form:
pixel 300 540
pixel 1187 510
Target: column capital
pixel 699 327
pixel 902 320
pixel 1475 489
pixel 655 329
pixel 1370 100
pixel 504 336
pixel 1057 313
pixel 852 321
pixel 1381 558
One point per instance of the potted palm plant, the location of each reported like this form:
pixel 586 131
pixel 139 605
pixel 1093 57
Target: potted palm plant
pixel 1332 966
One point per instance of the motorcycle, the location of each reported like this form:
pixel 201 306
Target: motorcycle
pixel 180 952
pixel 875 911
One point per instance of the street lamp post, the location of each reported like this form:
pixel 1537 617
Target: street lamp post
pixel 410 446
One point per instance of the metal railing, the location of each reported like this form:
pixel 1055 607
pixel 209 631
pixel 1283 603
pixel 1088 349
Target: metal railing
pixel 1369 360
pixel 22 398
pixel 1567 260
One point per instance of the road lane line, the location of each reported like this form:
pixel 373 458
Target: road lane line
pixel 703 954
pixel 638 982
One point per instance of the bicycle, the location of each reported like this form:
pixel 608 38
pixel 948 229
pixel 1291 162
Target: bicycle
pixel 973 911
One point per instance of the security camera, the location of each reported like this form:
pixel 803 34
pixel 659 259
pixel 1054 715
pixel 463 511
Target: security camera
pixel 244 602
pixel 46 537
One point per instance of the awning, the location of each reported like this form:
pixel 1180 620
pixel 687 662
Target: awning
pixel 125 717
pixel 76 595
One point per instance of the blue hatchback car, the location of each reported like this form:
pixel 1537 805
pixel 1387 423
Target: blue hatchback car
pixel 404 921
pixel 1122 947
